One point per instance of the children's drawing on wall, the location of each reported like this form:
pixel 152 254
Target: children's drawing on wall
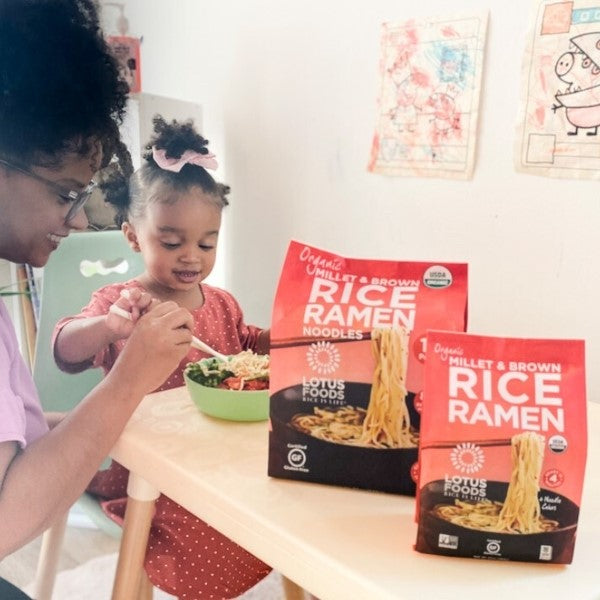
pixel 127 52
pixel 429 97
pixel 560 111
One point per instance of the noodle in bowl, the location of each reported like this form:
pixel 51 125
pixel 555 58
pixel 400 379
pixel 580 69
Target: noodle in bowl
pixel 386 421
pixel 364 465
pixel 558 540
pixel 229 404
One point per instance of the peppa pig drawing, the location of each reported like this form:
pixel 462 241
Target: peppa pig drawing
pixel 559 116
pixel 404 113
pixel 580 70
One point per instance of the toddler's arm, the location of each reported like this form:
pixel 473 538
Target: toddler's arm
pixel 263 343
pixel 81 339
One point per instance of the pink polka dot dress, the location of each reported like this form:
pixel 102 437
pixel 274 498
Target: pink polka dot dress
pixel 185 557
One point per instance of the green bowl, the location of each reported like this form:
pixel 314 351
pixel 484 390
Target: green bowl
pixel 232 405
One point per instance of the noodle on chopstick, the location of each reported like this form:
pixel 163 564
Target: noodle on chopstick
pixel 520 511
pixel 386 422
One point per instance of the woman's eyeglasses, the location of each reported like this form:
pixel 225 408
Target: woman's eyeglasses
pixel 76 199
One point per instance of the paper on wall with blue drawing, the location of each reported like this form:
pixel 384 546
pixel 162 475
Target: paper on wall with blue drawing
pixel 430 80
pixel 560 109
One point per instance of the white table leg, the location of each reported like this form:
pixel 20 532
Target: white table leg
pixel 291 590
pixel 48 560
pixel 136 527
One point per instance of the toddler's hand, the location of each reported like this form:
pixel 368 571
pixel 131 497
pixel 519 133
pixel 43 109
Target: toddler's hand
pixel 157 344
pixel 134 302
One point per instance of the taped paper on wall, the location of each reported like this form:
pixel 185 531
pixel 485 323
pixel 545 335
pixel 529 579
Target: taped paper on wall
pixel 560 109
pixel 429 97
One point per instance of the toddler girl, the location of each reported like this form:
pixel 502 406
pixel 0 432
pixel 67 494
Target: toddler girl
pixel 171 213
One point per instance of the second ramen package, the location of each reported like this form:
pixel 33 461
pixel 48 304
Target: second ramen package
pixel 503 447
pixel 347 352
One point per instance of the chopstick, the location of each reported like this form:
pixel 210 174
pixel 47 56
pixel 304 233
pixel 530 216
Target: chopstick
pixel 307 340
pixel 196 343
pixel 448 444
pixel 200 345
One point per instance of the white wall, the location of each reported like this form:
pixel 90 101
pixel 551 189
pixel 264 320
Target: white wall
pixel 288 90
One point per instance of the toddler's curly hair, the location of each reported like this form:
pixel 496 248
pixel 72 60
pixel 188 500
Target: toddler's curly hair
pixel 131 197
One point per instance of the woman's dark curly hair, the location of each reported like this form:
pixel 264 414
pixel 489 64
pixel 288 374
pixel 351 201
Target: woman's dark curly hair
pixel 59 84
pixel 130 198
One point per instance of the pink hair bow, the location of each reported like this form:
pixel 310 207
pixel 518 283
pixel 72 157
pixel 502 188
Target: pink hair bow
pixel 188 157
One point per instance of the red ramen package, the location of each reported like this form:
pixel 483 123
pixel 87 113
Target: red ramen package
pixel 347 353
pixel 502 448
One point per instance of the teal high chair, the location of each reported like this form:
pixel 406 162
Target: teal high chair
pixel 83 263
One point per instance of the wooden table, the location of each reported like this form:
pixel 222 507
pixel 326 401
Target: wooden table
pixel 339 544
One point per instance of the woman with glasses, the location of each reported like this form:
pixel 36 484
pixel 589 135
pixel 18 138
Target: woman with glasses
pixel 61 103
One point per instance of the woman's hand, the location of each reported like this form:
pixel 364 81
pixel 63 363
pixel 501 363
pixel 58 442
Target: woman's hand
pixel 157 344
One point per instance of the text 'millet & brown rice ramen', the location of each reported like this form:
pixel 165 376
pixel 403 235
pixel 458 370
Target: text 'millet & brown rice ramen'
pixel 347 353
pixel 502 448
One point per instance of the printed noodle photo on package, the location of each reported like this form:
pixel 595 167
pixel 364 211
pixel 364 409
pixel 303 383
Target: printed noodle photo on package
pixel 347 353
pixel 503 447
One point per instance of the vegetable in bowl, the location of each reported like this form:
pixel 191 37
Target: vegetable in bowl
pixel 243 371
pixel 235 389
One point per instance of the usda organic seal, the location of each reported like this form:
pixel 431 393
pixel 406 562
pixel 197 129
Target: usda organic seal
pixel 437 277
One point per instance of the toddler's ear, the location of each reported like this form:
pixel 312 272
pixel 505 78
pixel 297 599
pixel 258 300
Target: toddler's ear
pixel 130 236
